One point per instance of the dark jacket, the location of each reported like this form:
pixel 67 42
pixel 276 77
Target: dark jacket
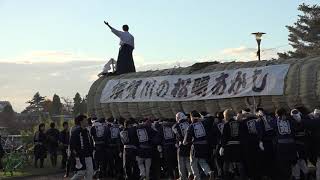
pixel 65 137
pixel 180 129
pixel 251 135
pixel 284 140
pixel 313 126
pixel 146 137
pixel 129 137
pixel 197 134
pixel 114 134
pixel 53 139
pixel 168 139
pixel 301 137
pixel 99 135
pixel 39 140
pixel 230 141
pixel 81 143
pixel 268 130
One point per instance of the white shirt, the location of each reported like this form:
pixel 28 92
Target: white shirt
pixel 125 37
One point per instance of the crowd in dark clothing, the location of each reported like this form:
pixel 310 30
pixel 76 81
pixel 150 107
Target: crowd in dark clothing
pixel 245 145
pixel 51 142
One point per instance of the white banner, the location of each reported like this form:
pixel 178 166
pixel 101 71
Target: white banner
pixel 258 81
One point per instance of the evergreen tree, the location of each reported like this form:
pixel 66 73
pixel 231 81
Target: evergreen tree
pixel 36 104
pixel 84 106
pixel 47 105
pixel 56 107
pixel 77 104
pixel 304 35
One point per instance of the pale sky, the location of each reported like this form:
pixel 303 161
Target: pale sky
pixel 59 46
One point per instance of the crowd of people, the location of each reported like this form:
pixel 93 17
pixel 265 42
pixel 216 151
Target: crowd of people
pixel 227 145
pixel 51 142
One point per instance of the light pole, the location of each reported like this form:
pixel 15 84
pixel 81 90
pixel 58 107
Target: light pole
pixel 258 38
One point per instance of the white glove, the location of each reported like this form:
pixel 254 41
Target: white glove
pixel 221 151
pixel 261 146
pixel 78 163
pixel 159 148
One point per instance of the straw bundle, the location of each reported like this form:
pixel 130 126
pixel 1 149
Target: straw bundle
pixel 301 88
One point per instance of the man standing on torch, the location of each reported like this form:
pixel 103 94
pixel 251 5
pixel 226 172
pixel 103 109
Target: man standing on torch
pixel 125 62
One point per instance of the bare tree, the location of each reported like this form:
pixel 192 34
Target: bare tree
pixel 67 105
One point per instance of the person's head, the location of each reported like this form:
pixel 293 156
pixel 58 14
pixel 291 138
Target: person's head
pixel 239 115
pixel 65 125
pixel 180 116
pixel 128 123
pixel 42 127
pixel 260 112
pixel 296 115
pixel 246 111
pixel 147 121
pixel 281 113
pixel 121 120
pixel 228 114
pixel 52 125
pixel 125 27
pixel 219 115
pixel 110 120
pixel 195 116
pixel 303 110
pixel 163 120
pixel 204 114
pixel 81 120
pixel 89 122
pixel 316 113
pixel 102 120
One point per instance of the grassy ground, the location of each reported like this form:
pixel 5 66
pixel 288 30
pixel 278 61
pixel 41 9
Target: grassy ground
pixel 32 171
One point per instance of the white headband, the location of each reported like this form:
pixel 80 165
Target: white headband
pixel 244 112
pixel 295 110
pixel 316 111
pixel 180 116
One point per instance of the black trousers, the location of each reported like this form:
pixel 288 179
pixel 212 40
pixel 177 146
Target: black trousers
pixel 114 162
pixel 125 62
pixel 64 157
pixel 36 161
pixel 100 162
pixel 252 161
pixel 170 157
pixel 130 165
pixel 268 158
pixel 284 170
pixel 53 157
pixel 155 170
pixel 70 164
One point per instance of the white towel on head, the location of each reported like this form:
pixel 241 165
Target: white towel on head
pixel 180 115
pixel 316 111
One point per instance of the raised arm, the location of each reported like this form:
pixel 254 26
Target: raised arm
pixel 106 23
pixel 116 32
